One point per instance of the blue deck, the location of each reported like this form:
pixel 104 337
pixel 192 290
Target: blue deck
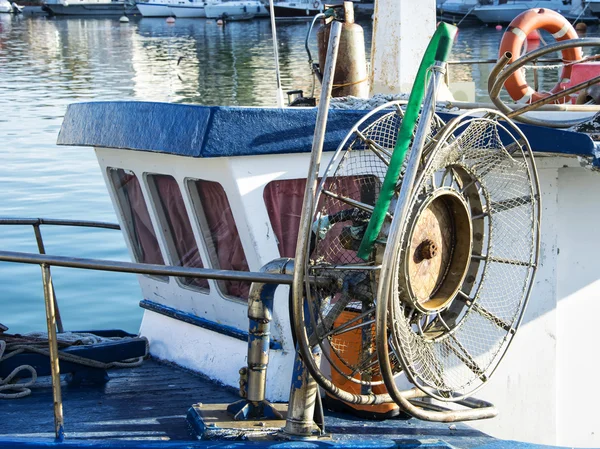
pixel 145 407
pixel 203 131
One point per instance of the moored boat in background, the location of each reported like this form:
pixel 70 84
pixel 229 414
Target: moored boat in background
pixel 297 9
pixel 504 11
pixel 188 9
pixel 457 11
pixel 90 7
pixel 158 8
pixel 236 10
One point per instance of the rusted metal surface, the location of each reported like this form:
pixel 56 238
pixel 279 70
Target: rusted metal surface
pixel 351 69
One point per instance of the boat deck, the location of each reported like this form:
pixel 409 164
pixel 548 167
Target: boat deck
pixel 150 402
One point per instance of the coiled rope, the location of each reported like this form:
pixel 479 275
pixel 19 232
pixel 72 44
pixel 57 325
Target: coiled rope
pixel 38 343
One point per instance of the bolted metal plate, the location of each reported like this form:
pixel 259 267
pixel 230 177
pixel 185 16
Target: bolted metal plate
pixel 211 422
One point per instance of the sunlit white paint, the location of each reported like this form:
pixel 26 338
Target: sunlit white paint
pixel 400 36
pixel 243 179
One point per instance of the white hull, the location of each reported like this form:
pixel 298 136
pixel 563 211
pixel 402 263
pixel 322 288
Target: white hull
pixel 494 14
pixel 297 9
pixel 155 9
pixel 456 6
pixel 5 7
pixel 236 9
pixel 192 11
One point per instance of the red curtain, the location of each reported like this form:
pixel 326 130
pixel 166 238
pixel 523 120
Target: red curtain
pixel 224 235
pixel 137 217
pixel 180 229
pixel 284 198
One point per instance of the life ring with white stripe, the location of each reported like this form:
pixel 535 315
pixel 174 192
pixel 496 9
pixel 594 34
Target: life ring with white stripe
pixel 515 36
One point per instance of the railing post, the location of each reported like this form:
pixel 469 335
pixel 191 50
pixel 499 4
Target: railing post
pixel 53 344
pixel 42 250
pixel 260 312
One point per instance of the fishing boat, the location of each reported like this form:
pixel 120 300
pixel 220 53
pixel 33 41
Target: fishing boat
pixel 236 10
pixel 89 7
pixel 223 208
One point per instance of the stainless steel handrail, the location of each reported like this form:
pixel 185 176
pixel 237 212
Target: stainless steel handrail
pixel 52 315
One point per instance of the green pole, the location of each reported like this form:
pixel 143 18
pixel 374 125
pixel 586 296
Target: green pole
pixel 438 50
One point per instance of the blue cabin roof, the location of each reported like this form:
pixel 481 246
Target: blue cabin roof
pixel 214 131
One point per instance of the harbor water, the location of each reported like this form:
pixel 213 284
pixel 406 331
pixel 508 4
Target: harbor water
pixel 48 63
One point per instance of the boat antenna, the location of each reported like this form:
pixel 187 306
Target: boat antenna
pixel 276 56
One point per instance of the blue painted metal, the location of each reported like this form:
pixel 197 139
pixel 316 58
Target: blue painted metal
pixel 180 315
pixel 198 131
pixel 383 443
pixel 202 131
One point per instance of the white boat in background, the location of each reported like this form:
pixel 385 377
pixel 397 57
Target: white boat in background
pixel 189 9
pixel 89 7
pixel 158 8
pixel 236 10
pixel 454 11
pixel 5 7
pixel 504 11
pixel 296 9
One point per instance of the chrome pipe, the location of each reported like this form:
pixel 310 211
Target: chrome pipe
pixel 42 250
pixel 303 396
pixel 59 432
pixel 57 222
pixel 260 314
pixel 503 74
pixel 144 268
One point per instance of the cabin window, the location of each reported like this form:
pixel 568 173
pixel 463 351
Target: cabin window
pixel 138 226
pixel 176 226
pixel 220 233
pixel 283 200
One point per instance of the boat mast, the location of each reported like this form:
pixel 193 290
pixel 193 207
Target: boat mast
pixel 401 31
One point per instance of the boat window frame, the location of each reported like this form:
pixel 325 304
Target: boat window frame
pixel 204 230
pixel 166 231
pixel 128 223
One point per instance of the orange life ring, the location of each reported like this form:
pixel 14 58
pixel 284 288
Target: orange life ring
pixel 513 39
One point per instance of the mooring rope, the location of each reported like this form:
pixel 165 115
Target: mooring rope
pixel 19 390
pixel 13 345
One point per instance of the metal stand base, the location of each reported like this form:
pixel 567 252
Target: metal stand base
pixel 245 410
pixel 213 422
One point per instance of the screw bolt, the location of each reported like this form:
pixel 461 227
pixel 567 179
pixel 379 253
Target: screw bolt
pixel 428 249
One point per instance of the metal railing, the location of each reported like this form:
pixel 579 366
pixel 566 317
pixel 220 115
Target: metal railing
pixel 52 311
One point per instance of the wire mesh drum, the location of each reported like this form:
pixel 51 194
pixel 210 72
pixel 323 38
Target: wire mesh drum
pixel 340 287
pixel 466 257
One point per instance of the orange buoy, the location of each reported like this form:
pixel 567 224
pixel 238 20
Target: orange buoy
pixel 170 19
pixel 513 39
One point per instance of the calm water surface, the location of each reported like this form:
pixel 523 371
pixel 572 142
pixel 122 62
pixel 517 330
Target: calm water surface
pixel 47 64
